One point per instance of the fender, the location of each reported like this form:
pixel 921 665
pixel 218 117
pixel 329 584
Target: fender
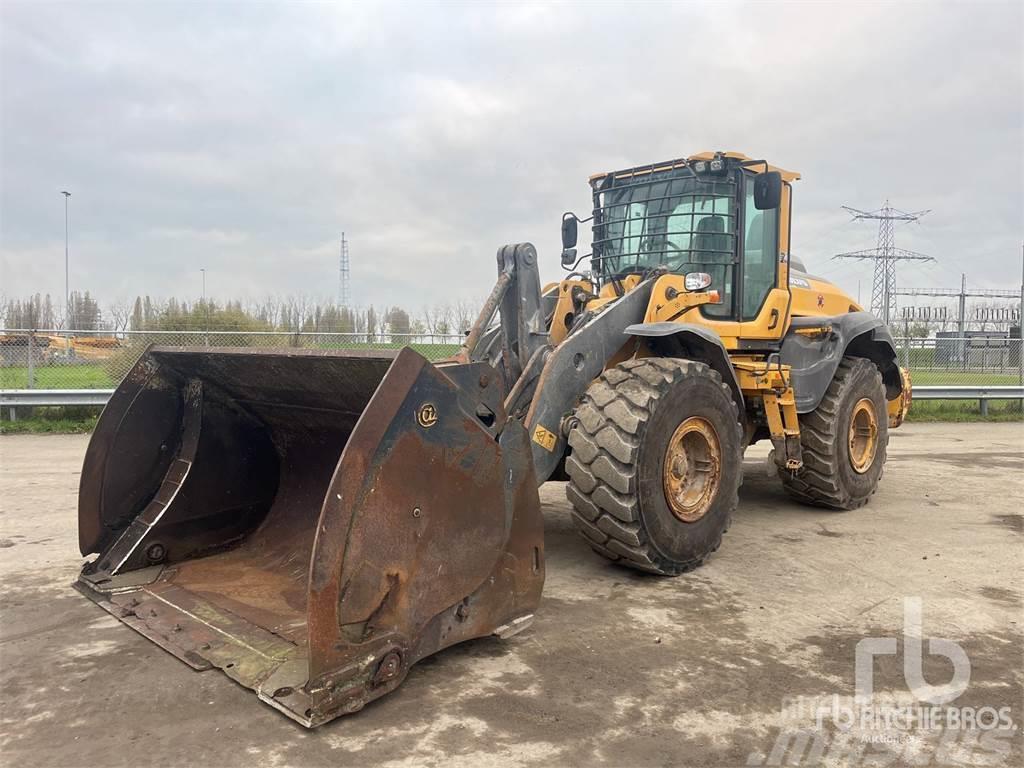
pixel 813 361
pixel 694 342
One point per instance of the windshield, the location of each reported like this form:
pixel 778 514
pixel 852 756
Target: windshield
pixel 670 219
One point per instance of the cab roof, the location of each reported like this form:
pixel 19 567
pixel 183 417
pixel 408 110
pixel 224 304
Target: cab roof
pixel 669 164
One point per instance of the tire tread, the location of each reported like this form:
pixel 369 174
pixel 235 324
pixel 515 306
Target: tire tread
pixel 602 469
pixel 818 482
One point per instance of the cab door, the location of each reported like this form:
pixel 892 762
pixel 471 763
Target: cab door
pixel 763 290
pixel 756 301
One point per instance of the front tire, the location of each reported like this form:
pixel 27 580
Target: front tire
pixel 656 464
pixel 843 441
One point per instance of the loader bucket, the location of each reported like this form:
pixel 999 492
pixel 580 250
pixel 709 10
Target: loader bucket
pixel 311 523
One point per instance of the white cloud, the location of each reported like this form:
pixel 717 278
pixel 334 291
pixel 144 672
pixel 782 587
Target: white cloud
pixel 245 138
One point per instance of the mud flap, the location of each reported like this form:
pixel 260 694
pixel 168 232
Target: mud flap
pixel 315 580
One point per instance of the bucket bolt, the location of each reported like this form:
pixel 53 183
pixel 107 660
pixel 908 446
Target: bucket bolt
pixel 388 668
pixel 156 552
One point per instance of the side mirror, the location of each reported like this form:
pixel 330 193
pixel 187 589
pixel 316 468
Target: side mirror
pixel 767 191
pixel 569 231
pixel 569 234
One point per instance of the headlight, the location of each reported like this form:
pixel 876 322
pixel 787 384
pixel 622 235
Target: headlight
pixel 696 281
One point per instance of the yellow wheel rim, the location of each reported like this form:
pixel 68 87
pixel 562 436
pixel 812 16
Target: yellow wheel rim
pixel 693 469
pixel 863 437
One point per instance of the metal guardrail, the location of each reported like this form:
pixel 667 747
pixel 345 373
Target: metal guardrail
pixel 22 398
pixel 49 397
pixel 981 394
pixel 942 392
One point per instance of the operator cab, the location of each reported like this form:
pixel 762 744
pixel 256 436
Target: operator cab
pixel 713 214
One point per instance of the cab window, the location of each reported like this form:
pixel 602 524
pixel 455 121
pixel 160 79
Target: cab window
pixel 760 252
pixel 699 240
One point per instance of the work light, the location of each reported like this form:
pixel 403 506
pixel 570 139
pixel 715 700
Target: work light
pixel 697 281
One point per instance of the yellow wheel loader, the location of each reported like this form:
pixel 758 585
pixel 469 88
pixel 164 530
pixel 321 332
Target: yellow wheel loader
pixel 314 522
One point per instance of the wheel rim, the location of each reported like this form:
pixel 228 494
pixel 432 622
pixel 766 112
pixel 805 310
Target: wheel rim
pixel 693 464
pixel 863 437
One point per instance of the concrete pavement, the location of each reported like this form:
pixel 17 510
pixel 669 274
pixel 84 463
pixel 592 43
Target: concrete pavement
pixel 619 668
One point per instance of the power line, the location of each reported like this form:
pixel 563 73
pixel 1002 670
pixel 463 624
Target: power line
pixel 885 255
pixel 982 315
pixel 981 293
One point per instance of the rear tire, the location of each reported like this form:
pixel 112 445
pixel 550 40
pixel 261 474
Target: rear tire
pixel 841 469
pixel 633 419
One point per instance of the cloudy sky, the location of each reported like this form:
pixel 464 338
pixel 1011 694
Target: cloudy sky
pixel 243 138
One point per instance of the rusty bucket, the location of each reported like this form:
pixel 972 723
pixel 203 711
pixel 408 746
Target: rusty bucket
pixel 311 523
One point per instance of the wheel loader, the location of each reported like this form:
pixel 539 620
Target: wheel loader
pixel 314 522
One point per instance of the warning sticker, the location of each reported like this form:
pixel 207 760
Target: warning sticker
pixel 544 438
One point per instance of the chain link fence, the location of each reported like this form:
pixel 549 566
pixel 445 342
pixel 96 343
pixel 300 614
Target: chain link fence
pixel 43 359
pixel 99 359
pixel 962 361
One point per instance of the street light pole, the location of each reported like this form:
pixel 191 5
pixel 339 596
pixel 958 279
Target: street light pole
pixel 67 293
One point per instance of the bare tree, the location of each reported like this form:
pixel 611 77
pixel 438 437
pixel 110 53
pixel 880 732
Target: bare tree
pixel 444 320
pixel 465 313
pixel 120 314
pixel 383 323
pixel 427 313
pixel 441 319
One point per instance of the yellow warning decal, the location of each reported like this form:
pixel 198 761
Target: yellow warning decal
pixel 544 438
